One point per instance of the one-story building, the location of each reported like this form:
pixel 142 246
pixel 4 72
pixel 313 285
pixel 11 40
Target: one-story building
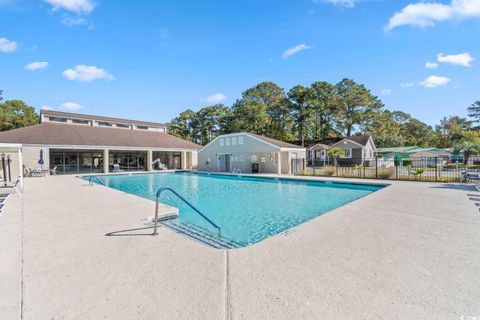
pixel 419 156
pixel 358 149
pixel 246 153
pixel 70 143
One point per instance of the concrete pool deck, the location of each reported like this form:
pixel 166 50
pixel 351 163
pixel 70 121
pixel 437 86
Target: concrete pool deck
pixel 409 251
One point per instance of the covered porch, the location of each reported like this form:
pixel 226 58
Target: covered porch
pixel 317 155
pixel 98 160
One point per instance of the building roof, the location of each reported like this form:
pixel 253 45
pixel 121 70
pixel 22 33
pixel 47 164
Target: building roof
pixel 411 150
pixel 362 140
pixel 48 133
pixel 278 143
pixel 99 118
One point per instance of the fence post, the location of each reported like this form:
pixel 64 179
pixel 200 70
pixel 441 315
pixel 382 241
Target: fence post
pixel 396 169
pixel 376 167
pixel 436 170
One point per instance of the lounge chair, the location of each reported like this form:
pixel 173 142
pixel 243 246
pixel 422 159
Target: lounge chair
pixel 14 185
pixel 160 165
pixel 53 171
pixel 470 176
pixel 116 167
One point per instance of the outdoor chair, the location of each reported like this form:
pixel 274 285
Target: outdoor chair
pixel 161 166
pixel 53 171
pixel 116 167
pixel 14 185
pixel 469 176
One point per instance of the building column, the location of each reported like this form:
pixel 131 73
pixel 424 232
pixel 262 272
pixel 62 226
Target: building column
pixel 105 161
pixel 184 160
pixel 279 163
pixel 149 160
pixel 289 162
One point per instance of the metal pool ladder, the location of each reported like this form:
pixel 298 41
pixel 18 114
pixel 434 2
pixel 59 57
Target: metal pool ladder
pixel 159 192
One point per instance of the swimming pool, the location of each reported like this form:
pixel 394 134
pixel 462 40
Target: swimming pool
pixel 247 209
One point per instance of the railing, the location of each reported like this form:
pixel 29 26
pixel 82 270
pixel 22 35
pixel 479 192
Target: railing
pixel 432 169
pixel 91 178
pixel 159 192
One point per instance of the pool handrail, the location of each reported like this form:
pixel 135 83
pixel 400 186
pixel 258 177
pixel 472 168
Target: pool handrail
pixel 91 178
pixel 159 192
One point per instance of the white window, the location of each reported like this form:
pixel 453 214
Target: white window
pixel 234 141
pixel 348 153
pixel 241 158
pixel 227 141
pixel 275 158
pixel 240 140
pixel 222 142
pixel 253 158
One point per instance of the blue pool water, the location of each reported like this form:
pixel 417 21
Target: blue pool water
pixel 247 209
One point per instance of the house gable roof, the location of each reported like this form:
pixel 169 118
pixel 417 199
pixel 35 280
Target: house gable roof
pixel 361 140
pixel 83 135
pixel 272 142
pixel 278 143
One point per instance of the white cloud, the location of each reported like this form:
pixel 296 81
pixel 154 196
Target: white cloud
pixel 407 84
pixel 341 3
pixel 434 81
pixel 7 46
pixel 427 14
pixel 216 98
pixel 46 108
pixel 71 106
pixel 386 92
pixel 69 21
pixel 36 65
pixel 431 65
pixel 85 73
pixel 77 6
pixel 462 59
pixel 292 51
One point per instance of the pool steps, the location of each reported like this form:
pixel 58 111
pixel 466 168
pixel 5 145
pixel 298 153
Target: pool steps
pixel 200 234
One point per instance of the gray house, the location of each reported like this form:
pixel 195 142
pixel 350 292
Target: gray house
pixel 240 152
pixel 358 150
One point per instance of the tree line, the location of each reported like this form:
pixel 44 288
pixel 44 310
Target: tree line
pixel 319 111
pixel 303 113
pixel 16 114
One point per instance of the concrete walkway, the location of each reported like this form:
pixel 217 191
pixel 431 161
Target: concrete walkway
pixel 409 251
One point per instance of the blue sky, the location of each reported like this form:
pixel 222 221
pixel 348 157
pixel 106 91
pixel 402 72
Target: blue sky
pixel 150 60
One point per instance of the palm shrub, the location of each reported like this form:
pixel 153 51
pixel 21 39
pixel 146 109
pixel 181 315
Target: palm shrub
pixel 334 153
pixel 468 148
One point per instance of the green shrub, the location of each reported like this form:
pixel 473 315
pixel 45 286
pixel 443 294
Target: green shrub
pixel 385 175
pixel 327 171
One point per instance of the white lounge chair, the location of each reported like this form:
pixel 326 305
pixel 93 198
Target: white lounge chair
pixel 53 171
pixel 116 167
pixel 160 165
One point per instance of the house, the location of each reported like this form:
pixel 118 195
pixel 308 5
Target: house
pixel 71 143
pixel 243 152
pixel 358 150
